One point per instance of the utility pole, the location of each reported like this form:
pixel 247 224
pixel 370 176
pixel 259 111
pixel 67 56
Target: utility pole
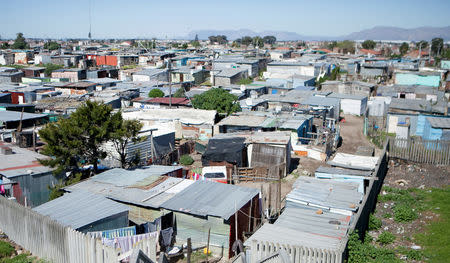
pixel 169 67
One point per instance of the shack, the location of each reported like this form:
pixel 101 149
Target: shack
pixel 86 212
pixel 26 179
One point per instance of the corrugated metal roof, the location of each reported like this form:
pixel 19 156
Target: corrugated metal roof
pixel 204 198
pixel 80 208
pixel 353 161
pixel 122 177
pixel 418 105
pixel 21 162
pixel 293 237
pixel 342 171
pixel 134 187
pixel 339 197
pixel 439 123
pixel 306 219
pixel 8 116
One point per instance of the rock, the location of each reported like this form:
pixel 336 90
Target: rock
pixel 386 228
pixel 403 257
pixel 437 208
pixel 421 187
pixel 401 182
pixel 415 247
pixel 20 251
pixel 384 192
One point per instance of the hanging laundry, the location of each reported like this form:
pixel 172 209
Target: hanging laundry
pixel 119 232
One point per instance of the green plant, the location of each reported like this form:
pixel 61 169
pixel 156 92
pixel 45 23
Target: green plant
pixel 246 81
pixel 374 222
pixel 362 252
pixel 386 238
pixel 156 93
pixel 6 249
pixel 387 215
pixel 186 160
pixel 404 213
pixel 216 99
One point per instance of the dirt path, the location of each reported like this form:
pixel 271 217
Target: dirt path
pixel 352 134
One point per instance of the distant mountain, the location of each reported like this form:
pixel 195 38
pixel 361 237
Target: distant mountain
pixel 397 33
pixel 376 33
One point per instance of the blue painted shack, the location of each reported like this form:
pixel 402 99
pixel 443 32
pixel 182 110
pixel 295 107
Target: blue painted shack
pixel 436 129
pixel 432 79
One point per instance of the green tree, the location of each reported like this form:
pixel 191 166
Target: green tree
pixel 184 46
pixel 123 136
pixel 331 45
pixel 258 42
pixel 246 40
pixel 221 39
pixel 216 99
pixel 49 68
pixel 180 93
pixel 195 44
pixel 369 44
pixel 269 40
pixel 437 44
pixel 156 93
pixel 77 139
pixel 404 48
pixel 5 45
pixel 347 46
pixel 20 42
pixel 52 45
pixel 422 44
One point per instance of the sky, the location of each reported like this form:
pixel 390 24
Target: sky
pixel 176 18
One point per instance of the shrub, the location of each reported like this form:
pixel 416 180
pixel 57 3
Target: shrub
pixel 6 249
pixel 386 238
pixel 374 222
pixel 404 213
pixel 156 93
pixel 387 215
pixel 186 160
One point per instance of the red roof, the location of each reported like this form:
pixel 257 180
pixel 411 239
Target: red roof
pixel 165 100
pixel 369 51
pixel 324 50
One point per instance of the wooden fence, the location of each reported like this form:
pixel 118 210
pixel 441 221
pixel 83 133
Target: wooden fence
pixel 50 240
pixel 420 151
pixel 297 254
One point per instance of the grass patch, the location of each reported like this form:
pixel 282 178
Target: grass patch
pixel 186 160
pixel 404 213
pixel 387 215
pixel 362 252
pixel 6 249
pixel 410 254
pixel 386 238
pixel 374 222
pixel 436 237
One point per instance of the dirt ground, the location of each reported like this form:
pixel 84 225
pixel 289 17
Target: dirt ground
pixel 403 175
pixel 352 134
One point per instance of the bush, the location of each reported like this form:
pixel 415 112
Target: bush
pixel 156 93
pixel 374 222
pixel 362 252
pixel 404 213
pixel 387 215
pixel 6 249
pixel 186 160
pixel 386 238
